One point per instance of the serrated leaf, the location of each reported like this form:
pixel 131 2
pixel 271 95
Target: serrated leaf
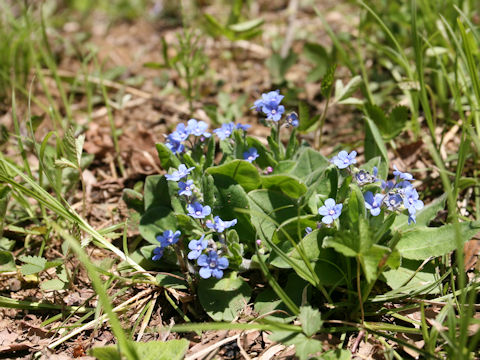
pixel 64 163
pixel 33 264
pixel 79 141
pixel 344 92
pixel 327 81
pixel 69 145
pixel 310 319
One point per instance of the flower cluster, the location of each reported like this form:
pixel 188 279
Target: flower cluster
pixel 167 238
pixel 176 140
pixel 203 250
pixel 269 104
pixel 396 196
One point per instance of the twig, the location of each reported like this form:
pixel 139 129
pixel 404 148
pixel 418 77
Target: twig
pixel 357 341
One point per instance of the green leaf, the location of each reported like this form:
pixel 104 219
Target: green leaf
pixel 421 243
pixel 345 243
pixel 168 281
pixel 246 25
pixel 374 144
pixel 210 155
pixel 370 260
pixel 268 209
pixel 308 162
pixel 304 346
pixel 223 299
pixel 167 158
pixel 408 271
pixel 265 157
pixel 156 192
pixel 268 301
pixel 33 264
pixel 306 122
pixel 134 200
pixel 70 146
pixel 4 199
pixel 337 354
pixel 327 81
pixel 286 184
pixel 316 54
pixel 389 126
pixel 53 284
pixel 6 244
pixel 152 350
pixel 215 28
pixel 79 141
pixel 310 319
pixel 230 199
pixel 241 171
pixel 64 163
pixel 7 262
pixel 342 93
pixel 292 145
pixel 155 221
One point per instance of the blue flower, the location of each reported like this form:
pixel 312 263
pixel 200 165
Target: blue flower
pixel 157 253
pixel 387 185
pixel 174 145
pixel 403 185
pixel 269 104
pixel 224 131
pixel 250 155
pixel 181 133
pixel 363 177
pixel 411 201
pixel 243 127
pixel 344 159
pixel 308 230
pixel 373 203
pixel 292 119
pixel 393 201
pixel 198 128
pixel 219 225
pixel 212 265
pixel 197 211
pixel 197 246
pixel 185 188
pixel 401 175
pixel 330 211
pixel 180 174
pixel 168 238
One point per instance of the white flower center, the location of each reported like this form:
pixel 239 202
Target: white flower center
pixel 213 264
pixel 198 212
pixel 274 111
pixel 332 212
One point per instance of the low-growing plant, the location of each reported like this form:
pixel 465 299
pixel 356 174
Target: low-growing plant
pixel 322 231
